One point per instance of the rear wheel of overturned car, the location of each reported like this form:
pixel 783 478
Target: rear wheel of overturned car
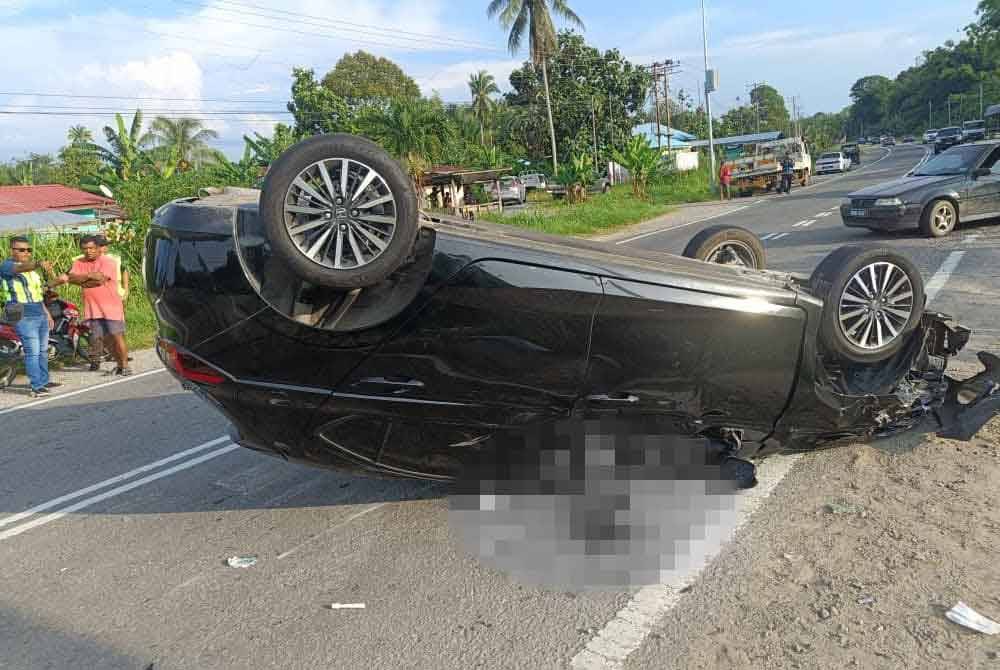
pixel 873 299
pixel 339 211
pixel 939 218
pixel 727 245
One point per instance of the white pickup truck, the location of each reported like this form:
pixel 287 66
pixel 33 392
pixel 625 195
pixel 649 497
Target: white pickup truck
pixel 762 170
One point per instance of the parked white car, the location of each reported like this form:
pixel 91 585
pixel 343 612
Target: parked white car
pixel 832 161
pixel 534 180
pixel 512 190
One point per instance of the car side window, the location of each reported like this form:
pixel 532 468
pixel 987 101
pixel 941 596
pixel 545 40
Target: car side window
pixel 993 162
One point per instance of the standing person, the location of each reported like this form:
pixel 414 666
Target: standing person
pixel 787 172
pixel 103 307
pixel 99 345
pixel 725 177
pixel 23 287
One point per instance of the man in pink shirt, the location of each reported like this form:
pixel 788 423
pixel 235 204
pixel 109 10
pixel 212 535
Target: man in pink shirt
pixel 102 303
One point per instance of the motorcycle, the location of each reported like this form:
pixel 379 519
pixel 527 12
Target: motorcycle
pixel 69 338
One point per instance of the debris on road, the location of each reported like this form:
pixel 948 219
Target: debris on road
pixel 843 508
pixel 347 606
pixel 241 561
pixel 964 615
pixel 866 600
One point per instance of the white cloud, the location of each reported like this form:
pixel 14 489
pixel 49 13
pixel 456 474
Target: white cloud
pixel 451 81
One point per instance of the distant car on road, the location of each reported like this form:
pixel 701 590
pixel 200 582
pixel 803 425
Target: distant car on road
pixel 946 138
pixel 534 180
pixel 511 190
pixel 930 136
pixel 909 139
pixel 832 161
pixel 973 131
pixel 888 141
pixel 853 152
pixel 960 184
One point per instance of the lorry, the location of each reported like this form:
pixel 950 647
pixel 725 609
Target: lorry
pixel 761 171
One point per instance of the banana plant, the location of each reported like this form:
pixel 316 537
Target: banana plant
pixel 576 176
pixel 641 160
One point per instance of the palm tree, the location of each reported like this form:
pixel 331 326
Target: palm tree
pixel 412 130
pixel 187 137
pixel 482 85
pixel 533 16
pixel 78 135
pixel 125 154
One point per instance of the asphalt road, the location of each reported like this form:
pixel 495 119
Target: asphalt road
pixel 137 500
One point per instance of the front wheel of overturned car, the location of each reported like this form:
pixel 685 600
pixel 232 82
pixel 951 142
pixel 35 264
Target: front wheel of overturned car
pixel 727 245
pixel 340 211
pixel 873 299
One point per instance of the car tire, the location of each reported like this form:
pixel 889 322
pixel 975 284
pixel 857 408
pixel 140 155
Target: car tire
pixel 355 249
pixel 7 375
pixel 939 218
pixel 867 319
pixel 727 245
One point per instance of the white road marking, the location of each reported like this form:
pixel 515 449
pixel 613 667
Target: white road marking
pixel 93 500
pixel 971 238
pixel 356 515
pixel 780 235
pixel 62 396
pixel 13 518
pixel 684 225
pixel 804 224
pixel 834 208
pixel 943 274
pixel 823 214
pixel 624 634
pixel 633 623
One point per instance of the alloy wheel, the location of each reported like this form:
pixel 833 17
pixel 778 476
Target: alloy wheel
pixel 875 305
pixel 733 252
pixel 943 217
pixel 340 213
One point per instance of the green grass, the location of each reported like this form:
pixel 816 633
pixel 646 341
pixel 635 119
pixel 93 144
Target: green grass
pixel 61 249
pixel 603 213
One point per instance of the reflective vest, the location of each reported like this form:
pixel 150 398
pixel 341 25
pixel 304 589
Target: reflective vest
pixel 23 287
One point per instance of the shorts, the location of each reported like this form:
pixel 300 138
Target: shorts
pixel 103 327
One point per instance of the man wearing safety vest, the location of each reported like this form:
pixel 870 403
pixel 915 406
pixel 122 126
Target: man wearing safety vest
pixel 23 292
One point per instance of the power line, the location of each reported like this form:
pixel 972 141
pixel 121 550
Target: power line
pixel 338 22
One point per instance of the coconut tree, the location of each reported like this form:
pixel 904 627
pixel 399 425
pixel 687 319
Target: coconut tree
pixel 482 85
pixel 185 137
pixel 412 130
pixel 533 17
pixel 78 135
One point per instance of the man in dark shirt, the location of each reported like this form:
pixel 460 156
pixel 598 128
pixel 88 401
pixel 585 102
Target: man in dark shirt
pixel 787 173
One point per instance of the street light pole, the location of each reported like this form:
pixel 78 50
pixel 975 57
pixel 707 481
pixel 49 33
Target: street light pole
pixel 708 95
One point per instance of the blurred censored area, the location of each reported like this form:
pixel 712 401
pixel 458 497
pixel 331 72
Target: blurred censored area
pixel 591 504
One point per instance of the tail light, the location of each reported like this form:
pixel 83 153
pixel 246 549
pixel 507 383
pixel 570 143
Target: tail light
pixel 71 313
pixel 190 367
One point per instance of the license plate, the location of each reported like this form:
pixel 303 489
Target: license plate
pixel 859 212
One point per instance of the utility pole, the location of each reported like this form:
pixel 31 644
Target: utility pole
pixel 593 119
pixel 755 101
pixel 708 94
pixel 930 115
pixel 656 98
pixel 980 100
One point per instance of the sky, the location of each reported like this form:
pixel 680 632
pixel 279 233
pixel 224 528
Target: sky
pixel 77 62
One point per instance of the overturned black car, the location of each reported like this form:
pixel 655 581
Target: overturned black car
pixel 335 324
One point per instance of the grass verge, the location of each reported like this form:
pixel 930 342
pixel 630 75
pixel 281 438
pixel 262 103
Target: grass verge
pixel 603 213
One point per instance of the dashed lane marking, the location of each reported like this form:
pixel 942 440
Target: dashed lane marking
pixel 804 224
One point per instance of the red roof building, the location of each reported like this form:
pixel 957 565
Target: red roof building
pixel 47 197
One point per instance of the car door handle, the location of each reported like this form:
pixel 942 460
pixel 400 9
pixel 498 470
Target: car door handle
pixel 393 381
pixel 617 397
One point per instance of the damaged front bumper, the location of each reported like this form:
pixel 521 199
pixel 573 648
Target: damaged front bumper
pixel 909 393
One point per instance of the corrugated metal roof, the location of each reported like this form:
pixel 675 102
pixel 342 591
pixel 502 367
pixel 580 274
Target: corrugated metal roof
pixel 755 138
pixel 992 110
pixel 39 221
pixel 676 136
pixel 24 199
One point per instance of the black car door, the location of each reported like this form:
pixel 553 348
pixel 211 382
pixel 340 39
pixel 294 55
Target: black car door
pixel 502 344
pixel 701 357
pixel 984 191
